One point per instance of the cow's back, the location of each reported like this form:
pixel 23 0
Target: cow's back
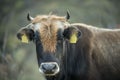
pixel 106 53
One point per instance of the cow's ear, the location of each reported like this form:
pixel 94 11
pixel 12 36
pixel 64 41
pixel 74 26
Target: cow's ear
pixel 27 36
pixel 72 34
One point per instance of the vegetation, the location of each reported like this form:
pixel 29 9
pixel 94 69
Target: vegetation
pixel 17 60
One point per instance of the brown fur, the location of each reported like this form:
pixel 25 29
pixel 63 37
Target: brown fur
pixel 42 18
pixel 48 30
pixel 48 38
pixel 104 47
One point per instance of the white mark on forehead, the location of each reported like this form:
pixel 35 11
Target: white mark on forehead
pixel 37 26
pixel 60 25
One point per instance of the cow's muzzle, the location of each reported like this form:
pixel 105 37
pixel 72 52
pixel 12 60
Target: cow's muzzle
pixel 49 68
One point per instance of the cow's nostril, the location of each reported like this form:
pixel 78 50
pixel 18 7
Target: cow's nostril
pixel 48 66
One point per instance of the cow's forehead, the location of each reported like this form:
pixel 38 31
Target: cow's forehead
pixel 48 30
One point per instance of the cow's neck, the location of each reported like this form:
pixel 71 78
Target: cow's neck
pixel 75 61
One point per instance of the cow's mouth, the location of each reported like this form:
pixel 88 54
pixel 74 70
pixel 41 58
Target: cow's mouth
pixel 50 73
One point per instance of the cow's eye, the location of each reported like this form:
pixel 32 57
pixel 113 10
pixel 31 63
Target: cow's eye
pixel 59 41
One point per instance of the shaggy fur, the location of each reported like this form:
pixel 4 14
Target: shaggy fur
pixel 103 47
pixel 48 30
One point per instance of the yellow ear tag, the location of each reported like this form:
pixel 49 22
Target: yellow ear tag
pixel 73 38
pixel 24 38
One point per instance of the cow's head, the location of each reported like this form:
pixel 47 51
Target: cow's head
pixel 49 33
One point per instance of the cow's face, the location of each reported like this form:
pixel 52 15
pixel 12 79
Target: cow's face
pixel 50 32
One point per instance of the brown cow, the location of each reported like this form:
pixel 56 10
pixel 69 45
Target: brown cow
pixel 73 51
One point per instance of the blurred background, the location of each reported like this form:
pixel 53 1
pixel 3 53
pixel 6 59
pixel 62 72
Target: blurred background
pixel 17 60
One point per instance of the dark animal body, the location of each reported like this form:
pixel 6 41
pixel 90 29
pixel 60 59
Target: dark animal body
pixel 95 55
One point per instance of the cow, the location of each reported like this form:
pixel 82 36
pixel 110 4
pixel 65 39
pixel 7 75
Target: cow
pixel 74 51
